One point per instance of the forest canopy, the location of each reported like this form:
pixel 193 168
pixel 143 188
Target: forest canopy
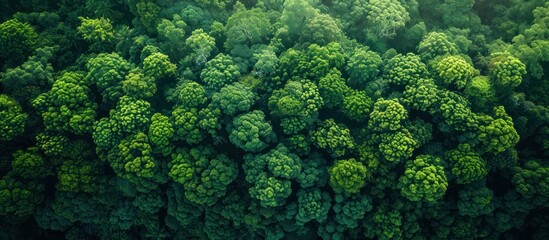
pixel 274 119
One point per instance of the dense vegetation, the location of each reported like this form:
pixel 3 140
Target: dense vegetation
pixel 273 119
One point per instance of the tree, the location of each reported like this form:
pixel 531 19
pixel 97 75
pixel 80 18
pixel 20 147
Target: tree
pixel 270 175
pixel 172 33
pixel 387 115
pixel 133 161
pixel 454 71
pixel 26 82
pixel 321 29
pixel 435 44
pixel 423 179
pixel 357 105
pixel 313 205
pixel 347 176
pixel 68 107
pixel 17 42
pixel 19 198
pixel 161 132
pixel 403 70
pixel 218 72
pixel 333 137
pixel 363 66
pixel 506 72
pixel 332 88
pixel 158 66
pixel 13 118
pixel 386 17
pixel 107 71
pixel 297 104
pixel 251 132
pixel 293 19
pixel 137 85
pixel 248 27
pixel 99 32
pixel 234 98
pixel 499 134
pixel 132 115
pixel 204 174
pixel 201 46
pixel 467 165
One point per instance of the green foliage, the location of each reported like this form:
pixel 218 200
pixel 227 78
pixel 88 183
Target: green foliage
pixel 209 120
pixel 332 89
pixel 314 173
pixel 387 115
pixel 321 29
pixel 234 98
pixel 467 165
pixel 186 125
pixel 506 71
pixel 137 85
pixel 216 4
pixel 297 104
pixel 454 71
pixel 161 132
pixel 349 211
pixel 106 134
pixel 67 107
pixel 363 66
pixel 435 44
pixel 148 14
pixel 96 30
pixel 17 41
pixel 248 27
pixel 313 205
pixel 402 70
pixel 218 72
pixel 313 63
pixel 347 176
pixel 132 115
pixel 204 174
pixel 78 176
pixel 498 134
pixel 422 95
pixel 455 112
pixel 172 33
pixel 251 132
pixel 475 200
pixel 480 93
pixel 190 95
pixel 386 17
pixel 13 118
pixel 273 119
pixel 293 19
pixel 158 66
pixel 530 46
pixel 357 105
pixel 398 146
pixel 52 144
pixel 271 175
pixel 333 137
pixel 531 181
pixel 133 161
pixel 266 62
pixel 387 224
pixel 201 46
pixel 107 71
pixel 423 179
pixel 19 198
pixel 25 82
pixel 29 164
